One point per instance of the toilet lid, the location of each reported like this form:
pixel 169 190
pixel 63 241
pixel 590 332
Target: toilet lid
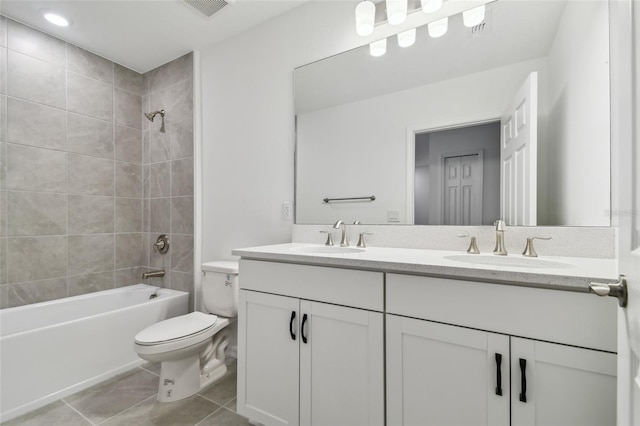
pixel 176 328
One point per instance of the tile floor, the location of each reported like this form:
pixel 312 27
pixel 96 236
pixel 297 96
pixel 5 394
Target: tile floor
pixel 130 399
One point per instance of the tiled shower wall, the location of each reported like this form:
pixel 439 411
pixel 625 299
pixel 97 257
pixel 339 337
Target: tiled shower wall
pixel 168 172
pixel 71 193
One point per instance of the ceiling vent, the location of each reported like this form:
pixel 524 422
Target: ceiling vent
pixel 208 7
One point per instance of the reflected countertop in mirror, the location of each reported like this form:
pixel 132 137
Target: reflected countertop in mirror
pixel 362 122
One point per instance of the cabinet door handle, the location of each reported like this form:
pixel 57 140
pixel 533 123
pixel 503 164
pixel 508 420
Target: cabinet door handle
pixel 293 334
pixel 523 380
pixel 304 320
pixel 499 374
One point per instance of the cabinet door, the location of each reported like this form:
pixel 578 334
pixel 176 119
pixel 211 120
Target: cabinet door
pixel 440 374
pixel 564 385
pixel 268 355
pixel 341 366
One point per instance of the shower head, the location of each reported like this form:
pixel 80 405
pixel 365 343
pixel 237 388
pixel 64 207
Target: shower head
pixel 151 115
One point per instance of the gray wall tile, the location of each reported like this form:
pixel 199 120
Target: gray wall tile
pixel 171 73
pixel 35 80
pixel 36 124
pixel 128 250
pixel 3 70
pixel 4 296
pixel 35 43
pixel 4 212
pixel 183 282
pixel 160 180
pixel 145 181
pixel 182 253
pixel 86 135
pixel 36 213
pixel 91 253
pixel 3 117
pixel 160 215
pixel 3 163
pixel 182 177
pixel 128 80
pixel 90 175
pixel 163 100
pixel 128 215
pixel 36 169
pixel 83 284
pixel 90 215
pixel 3 261
pixel 181 139
pixel 145 215
pixel 36 258
pixel 128 144
pixel 129 276
pixel 89 64
pixel 127 109
pixel 128 179
pixel 182 215
pixel 145 146
pixel 3 31
pixel 182 106
pixel 90 97
pixel 37 291
pixel 159 145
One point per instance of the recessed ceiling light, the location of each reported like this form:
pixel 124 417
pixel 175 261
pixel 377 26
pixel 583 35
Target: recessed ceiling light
pixel 56 19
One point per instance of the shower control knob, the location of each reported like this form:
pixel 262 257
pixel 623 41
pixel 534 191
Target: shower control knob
pixel 162 244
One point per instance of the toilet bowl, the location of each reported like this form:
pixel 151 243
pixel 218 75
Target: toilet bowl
pixel 192 347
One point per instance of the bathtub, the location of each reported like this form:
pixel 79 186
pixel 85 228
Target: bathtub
pixel 53 349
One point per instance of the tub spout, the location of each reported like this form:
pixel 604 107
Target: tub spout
pixel 153 274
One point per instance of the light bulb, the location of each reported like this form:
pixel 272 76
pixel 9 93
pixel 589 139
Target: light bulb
pixel 430 6
pixel 365 17
pixel 407 38
pixel 396 11
pixel 438 28
pixel 56 19
pixel 473 17
pixel 378 48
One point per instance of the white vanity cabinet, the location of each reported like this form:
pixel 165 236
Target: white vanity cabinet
pixel 311 345
pixel 443 337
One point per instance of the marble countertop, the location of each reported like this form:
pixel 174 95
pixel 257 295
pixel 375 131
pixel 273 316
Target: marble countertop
pixel 563 273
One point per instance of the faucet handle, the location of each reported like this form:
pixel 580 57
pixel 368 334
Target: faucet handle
pixel 329 239
pixel 473 246
pixel 361 243
pixel 529 250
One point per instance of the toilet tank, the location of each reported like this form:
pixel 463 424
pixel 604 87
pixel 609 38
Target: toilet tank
pixel 220 287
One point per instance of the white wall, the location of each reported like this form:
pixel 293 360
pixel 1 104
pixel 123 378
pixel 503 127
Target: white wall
pixel 248 122
pixel 579 119
pixel 331 141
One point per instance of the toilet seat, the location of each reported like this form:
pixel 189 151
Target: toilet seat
pixel 178 333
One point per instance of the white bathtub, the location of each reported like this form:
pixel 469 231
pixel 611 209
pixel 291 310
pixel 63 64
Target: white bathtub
pixel 50 350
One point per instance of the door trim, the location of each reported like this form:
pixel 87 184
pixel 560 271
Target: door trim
pixel 431 126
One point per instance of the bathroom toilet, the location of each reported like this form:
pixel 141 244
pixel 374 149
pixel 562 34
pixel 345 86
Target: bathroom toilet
pixel 191 347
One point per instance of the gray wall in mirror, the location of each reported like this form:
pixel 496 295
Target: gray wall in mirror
pixel 355 114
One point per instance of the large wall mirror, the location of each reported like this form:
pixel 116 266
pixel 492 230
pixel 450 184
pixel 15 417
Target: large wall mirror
pixel 509 119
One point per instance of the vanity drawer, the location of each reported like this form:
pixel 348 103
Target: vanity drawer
pixel 572 318
pixel 358 289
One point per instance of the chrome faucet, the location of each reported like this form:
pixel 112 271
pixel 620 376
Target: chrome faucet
pixel 153 274
pixel 343 241
pixel 499 248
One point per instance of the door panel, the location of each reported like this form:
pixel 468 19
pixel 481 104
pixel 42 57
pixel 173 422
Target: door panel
pixel 565 385
pixel 341 366
pixel 268 374
pixel 439 374
pixel 518 156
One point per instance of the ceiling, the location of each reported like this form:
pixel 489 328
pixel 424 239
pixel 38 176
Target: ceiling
pixel 143 34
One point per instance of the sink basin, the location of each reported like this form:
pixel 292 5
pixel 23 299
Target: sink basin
pixel 327 249
pixel 515 261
